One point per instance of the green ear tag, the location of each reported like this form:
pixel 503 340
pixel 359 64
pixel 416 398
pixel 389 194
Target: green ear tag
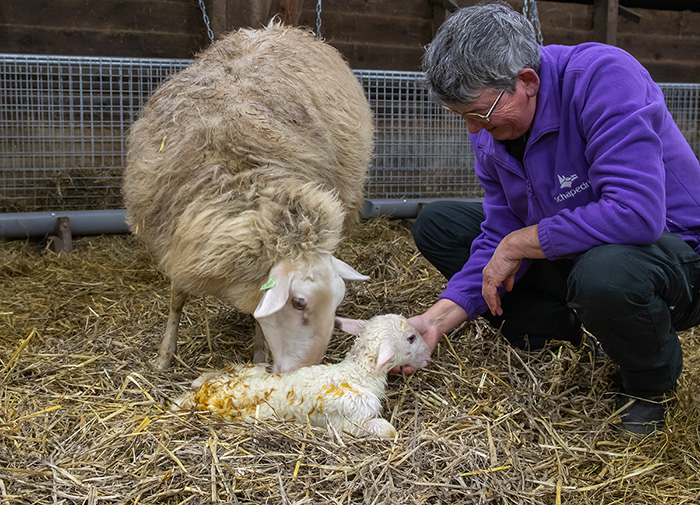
pixel 270 282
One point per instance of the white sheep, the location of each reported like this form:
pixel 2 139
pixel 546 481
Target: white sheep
pixel 347 395
pixel 242 173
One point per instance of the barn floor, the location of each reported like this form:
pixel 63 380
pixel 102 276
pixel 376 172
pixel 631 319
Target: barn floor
pixel 84 417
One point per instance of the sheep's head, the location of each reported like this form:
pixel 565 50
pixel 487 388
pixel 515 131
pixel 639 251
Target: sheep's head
pixel 297 311
pixel 390 339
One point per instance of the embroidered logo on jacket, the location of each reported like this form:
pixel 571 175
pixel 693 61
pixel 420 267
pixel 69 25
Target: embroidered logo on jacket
pixel 572 192
pixel 566 181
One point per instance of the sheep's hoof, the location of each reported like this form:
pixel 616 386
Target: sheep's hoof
pixel 379 428
pixel 162 362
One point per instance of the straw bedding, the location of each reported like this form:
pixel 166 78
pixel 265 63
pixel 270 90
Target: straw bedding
pixel 84 417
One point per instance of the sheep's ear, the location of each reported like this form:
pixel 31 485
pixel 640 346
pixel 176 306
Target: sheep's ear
pixel 276 293
pixel 352 326
pixel 387 350
pixel 347 272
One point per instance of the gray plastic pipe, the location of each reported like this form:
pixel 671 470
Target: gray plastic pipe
pixel 402 208
pixel 93 222
pixel 82 222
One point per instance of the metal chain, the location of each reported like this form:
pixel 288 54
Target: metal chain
pixel 318 18
pixel 206 20
pixel 531 13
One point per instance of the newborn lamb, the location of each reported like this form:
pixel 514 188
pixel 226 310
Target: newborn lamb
pixel 347 395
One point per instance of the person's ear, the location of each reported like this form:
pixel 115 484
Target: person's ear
pixel 530 80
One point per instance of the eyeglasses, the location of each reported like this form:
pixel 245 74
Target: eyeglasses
pixel 483 117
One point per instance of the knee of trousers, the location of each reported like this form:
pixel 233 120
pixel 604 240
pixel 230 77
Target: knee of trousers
pixel 423 228
pixel 607 280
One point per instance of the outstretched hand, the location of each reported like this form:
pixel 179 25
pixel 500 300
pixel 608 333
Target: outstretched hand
pixel 500 270
pixel 505 263
pixel 439 319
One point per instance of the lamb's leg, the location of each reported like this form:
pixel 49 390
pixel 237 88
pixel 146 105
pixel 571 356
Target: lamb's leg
pixel 260 354
pixel 169 344
pixel 379 427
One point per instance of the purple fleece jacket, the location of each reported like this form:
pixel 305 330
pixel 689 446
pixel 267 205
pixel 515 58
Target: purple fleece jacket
pixel 605 163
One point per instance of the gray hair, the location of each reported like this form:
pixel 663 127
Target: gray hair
pixel 477 48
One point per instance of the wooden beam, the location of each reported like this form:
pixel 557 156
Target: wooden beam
pixel 440 13
pixel 218 16
pixel 605 14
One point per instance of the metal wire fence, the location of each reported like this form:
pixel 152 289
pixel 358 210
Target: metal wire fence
pixel 63 123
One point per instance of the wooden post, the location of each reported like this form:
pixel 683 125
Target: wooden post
pixel 218 16
pixel 605 14
pixel 64 241
pixel 229 15
pixel 289 11
pixel 441 11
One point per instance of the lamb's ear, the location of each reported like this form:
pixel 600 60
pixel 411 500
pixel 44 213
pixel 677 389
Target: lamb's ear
pixel 351 326
pixel 387 350
pixel 276 292
pixel 347 272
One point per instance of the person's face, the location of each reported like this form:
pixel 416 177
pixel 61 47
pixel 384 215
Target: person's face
pixel 512 114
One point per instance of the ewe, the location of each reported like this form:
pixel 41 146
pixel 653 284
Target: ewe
pixel 242 172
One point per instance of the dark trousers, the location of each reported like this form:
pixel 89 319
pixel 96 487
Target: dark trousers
pixel 632 298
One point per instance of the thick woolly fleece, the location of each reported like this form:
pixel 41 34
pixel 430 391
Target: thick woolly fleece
pixel 256 153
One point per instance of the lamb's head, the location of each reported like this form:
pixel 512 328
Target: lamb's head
pixel 388 341
pixel 297 310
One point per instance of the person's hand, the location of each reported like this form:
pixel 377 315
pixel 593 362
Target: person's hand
pixel 505 263
pixel 430 336
pixel 442 317
pixel 500 270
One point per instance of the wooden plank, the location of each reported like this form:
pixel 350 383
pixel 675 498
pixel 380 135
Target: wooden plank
pixel 660 47
pixel 557 16
pixel 672 5
pixel 381 8
pixel 379 56
pixel 640 45
pixel 95 43
pixel 353 26
pixel 673 70
pixel 162 15
pixel 673 23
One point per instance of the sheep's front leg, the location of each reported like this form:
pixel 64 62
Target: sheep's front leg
pixel 169 344
pixel 260 352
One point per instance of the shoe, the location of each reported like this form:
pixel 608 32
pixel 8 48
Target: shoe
pixel 640 417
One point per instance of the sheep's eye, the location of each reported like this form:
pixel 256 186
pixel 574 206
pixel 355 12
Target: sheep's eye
pixel 298 303
pixel 411 339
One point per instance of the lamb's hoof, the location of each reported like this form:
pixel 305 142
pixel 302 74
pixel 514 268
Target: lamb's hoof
pixel 379 428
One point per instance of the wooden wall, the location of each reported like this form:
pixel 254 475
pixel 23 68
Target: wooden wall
pixel 665 40
pixel 373 34
pixel 132 28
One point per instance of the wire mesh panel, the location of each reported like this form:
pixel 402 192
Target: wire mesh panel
pixel 422 150
pixel 63 123
pixel 62 128
pixel 683 101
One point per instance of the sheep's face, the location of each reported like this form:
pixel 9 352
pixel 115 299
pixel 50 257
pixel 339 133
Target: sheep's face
pixel 391 338
pixel 297 311
pixel 411 349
